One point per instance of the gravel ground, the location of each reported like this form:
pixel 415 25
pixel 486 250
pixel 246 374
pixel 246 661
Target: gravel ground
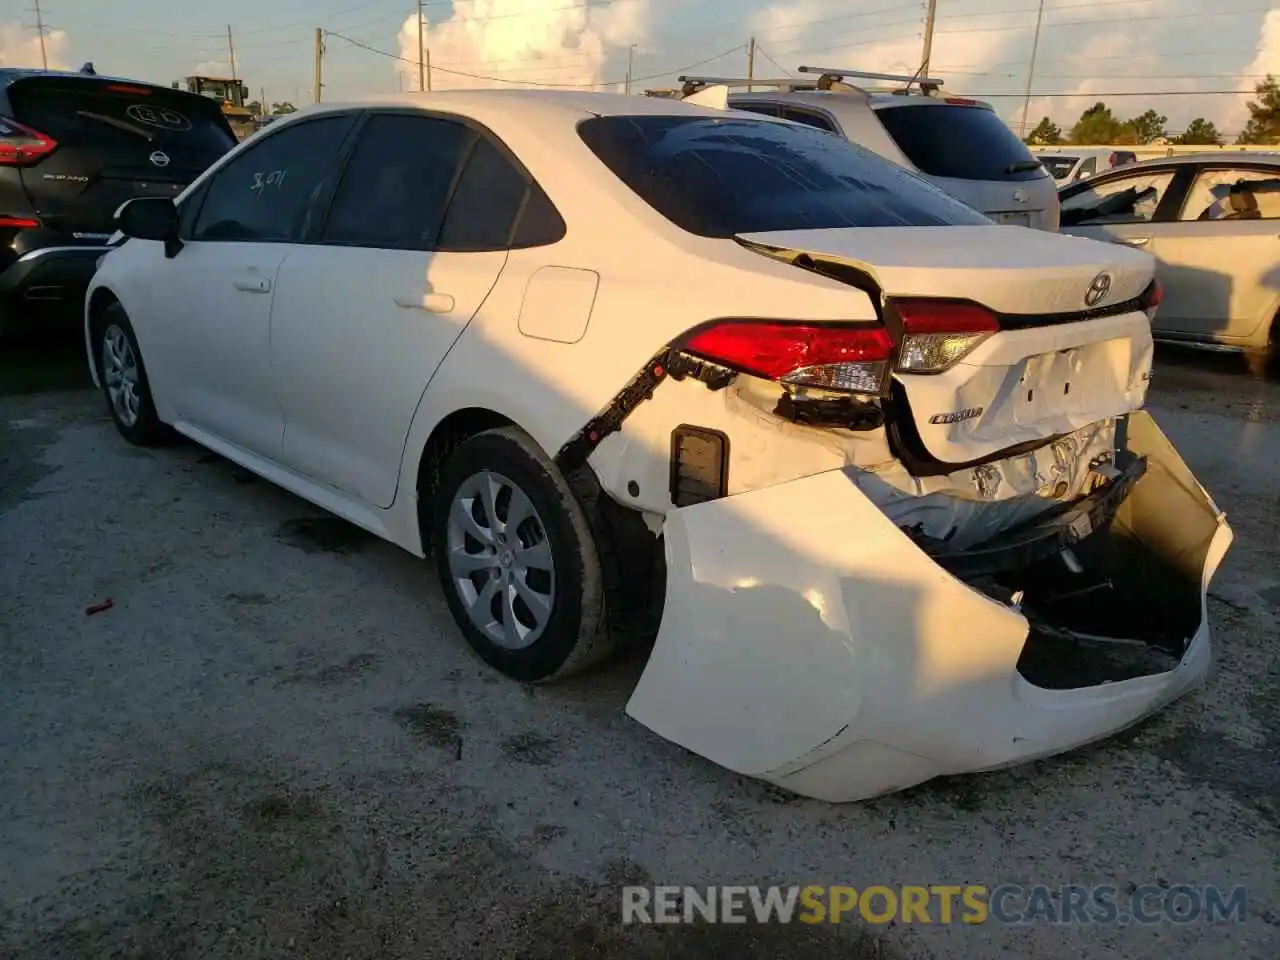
pixel 274 745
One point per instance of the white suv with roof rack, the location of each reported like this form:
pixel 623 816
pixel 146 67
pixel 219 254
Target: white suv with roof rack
pixel 958 144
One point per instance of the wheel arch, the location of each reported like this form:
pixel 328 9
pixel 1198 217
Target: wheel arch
pixel 100 300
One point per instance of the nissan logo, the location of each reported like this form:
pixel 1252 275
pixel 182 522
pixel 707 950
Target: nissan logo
pixel 160 159
pixel 1098 290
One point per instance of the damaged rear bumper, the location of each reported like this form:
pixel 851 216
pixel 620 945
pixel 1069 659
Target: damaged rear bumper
pixel 807 641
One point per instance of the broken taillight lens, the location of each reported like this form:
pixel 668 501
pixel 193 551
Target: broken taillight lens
pixel 936 334
pixel 21 146
pixel 843 357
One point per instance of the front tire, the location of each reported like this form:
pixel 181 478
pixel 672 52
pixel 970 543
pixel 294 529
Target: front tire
pixel 124 381
pixel 516 559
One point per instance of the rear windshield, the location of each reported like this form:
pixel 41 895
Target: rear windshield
pixel 1058 167
pixel 720 177
pixel 962 142
pixel 87 111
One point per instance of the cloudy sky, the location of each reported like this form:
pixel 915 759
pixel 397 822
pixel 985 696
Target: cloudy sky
pixel 1130 53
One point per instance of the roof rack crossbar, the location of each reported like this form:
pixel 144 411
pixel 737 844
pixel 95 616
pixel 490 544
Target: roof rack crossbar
pixel 787 82
pixel 840 73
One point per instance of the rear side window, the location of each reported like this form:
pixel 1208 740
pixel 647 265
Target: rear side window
pixel 496 206
pixel 76 112
pixel 960 142
pixel 720 177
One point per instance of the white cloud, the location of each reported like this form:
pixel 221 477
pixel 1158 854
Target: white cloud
pixel 1266 61
pixel 20 47
pixel 541 41
pixel 212 68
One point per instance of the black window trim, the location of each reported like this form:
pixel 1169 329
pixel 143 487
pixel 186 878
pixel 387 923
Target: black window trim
pixel 481 132
pixel 352 116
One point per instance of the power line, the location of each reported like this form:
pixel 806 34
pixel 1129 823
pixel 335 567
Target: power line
pixel 1102 95
pixel 764 53
pixel 535 83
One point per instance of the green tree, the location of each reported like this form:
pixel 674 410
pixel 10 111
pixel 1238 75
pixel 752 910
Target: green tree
pixel 1200 131
pixel 1046 134
pixel 1264 114
pixel 282 108
pixel 1146 128
pixel 1096 125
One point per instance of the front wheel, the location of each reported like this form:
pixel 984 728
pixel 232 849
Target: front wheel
pixel 516 559
pixel 124 381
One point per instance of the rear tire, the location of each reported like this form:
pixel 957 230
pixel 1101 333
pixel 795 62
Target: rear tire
pixel 125 386
pixel 516 559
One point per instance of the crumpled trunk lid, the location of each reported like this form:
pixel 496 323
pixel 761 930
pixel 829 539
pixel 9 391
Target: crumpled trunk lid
pixel 1074 345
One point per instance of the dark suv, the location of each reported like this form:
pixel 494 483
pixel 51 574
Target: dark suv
pixel 73 148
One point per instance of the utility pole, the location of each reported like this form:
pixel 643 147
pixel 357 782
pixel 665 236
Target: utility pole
pixel 751 61
pixel 231 49
pixel 428 69
pixel 930 15
pixel 630 60
pixel 319 58
pixel 44 56
pixel 422 82
pixel 1031 70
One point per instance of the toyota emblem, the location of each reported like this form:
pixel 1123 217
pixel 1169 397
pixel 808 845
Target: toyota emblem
pixel 1098 290
pixel 160 159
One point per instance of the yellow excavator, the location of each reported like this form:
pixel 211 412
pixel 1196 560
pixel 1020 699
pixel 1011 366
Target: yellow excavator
pixel 228 91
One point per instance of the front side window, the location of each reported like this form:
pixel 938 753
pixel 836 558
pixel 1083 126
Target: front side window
pixel 717 177
pixel 1234 195
pixel 268 192
pixel 1132 199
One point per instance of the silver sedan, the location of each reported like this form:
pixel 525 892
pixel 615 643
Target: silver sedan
pixel 1212 220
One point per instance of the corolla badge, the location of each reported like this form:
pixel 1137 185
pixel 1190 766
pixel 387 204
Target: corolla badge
pixel 160 158
pixel 1019 196
pixel 1098 290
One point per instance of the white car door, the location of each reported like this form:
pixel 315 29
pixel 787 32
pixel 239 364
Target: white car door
pixel 220 287
pixel 1220 260
pixel 416 237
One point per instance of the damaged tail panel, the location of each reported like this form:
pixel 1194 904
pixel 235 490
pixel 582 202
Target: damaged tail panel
pixel 810 640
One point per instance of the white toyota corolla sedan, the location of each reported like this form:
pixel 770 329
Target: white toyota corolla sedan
pixel 873 466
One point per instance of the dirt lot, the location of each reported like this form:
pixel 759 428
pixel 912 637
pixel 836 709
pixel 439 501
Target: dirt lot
pixel 273 745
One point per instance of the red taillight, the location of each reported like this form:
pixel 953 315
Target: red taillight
pixel 937 333
pixel 21 146
pixel 842 357
pixel 18 223
pixel 961 101
pixel 134 91
pixel 1152 297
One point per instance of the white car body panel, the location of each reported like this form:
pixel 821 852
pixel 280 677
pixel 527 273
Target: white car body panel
pixel 805 639
pixel 906 672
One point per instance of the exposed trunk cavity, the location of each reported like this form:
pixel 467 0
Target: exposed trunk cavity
pixel 1109 583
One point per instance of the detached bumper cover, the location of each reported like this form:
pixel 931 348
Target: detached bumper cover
pixel 809 642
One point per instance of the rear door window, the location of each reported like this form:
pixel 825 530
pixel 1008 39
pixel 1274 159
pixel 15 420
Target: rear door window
pixel 397 184
pixel 1233 195
pixel 959 142
pixel 76 112
pixel 720 177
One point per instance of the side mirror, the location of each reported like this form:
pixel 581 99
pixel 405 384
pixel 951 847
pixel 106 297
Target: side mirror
pixel 151 218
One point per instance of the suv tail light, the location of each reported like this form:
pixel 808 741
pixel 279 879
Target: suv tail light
pixel 845 357
pixel 21 146
pixel 1151 298
pixel 936 334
